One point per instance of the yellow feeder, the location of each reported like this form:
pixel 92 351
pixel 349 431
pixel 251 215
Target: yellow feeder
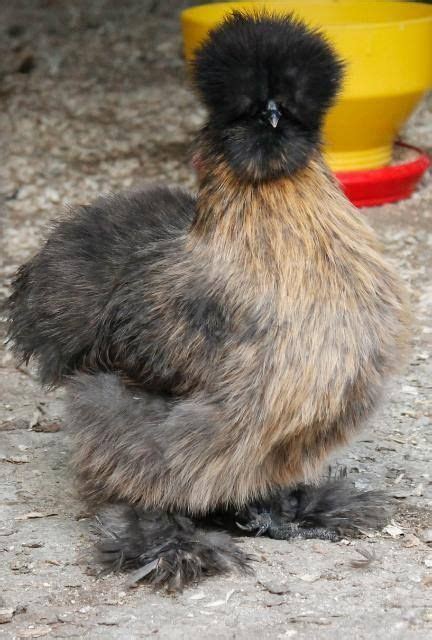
pixel 388 49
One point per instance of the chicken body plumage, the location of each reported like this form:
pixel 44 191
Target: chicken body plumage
pixel 214 349
pixel 248 356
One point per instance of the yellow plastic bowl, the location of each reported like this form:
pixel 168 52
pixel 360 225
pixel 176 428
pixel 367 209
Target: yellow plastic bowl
pixel 388 48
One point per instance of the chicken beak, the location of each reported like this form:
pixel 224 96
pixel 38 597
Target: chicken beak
pixel 272 113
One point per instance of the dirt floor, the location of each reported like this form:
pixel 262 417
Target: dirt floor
pixel 92 100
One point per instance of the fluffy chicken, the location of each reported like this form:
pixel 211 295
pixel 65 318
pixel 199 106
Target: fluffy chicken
pixel 215 349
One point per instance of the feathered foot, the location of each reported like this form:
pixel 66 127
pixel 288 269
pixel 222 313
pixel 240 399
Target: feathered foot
pixel 165 550
pixel 326 512
pixel 261 523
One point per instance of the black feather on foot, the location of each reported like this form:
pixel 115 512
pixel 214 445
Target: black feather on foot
pixel 167 551
pixel 327 512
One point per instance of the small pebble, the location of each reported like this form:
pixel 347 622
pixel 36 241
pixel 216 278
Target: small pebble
pixel 273 600
pixel 6 615
pixel 47 427
pixel 34 632
pixel 278 588
pixel 393 530
pixel 410 540
pixel 426 536
pixel 310 577
pixel 18 459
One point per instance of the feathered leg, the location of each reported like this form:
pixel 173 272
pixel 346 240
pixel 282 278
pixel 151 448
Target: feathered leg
pixel 121 458
pixel 325 512
pixel 150 457
pixel 165 550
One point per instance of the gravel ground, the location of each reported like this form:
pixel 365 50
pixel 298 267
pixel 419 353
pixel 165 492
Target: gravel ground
pixel 96 99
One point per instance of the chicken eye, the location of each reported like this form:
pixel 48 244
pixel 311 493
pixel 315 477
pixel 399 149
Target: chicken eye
pixel 292 115
pixel 244 104
pixel 253 110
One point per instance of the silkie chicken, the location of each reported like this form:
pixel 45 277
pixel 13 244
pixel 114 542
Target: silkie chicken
pixel 215 349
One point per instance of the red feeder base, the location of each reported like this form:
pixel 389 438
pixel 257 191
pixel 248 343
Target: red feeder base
pixel 372 187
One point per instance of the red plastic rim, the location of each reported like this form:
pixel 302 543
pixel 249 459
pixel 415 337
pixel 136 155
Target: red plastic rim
pixel 372 187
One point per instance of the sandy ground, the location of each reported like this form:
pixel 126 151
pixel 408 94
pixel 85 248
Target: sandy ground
pixel 95 100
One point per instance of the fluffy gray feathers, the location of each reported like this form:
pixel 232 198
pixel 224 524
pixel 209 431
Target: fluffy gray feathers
pixel 216 349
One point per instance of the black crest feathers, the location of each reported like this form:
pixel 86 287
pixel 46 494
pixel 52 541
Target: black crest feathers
pixel 251 59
